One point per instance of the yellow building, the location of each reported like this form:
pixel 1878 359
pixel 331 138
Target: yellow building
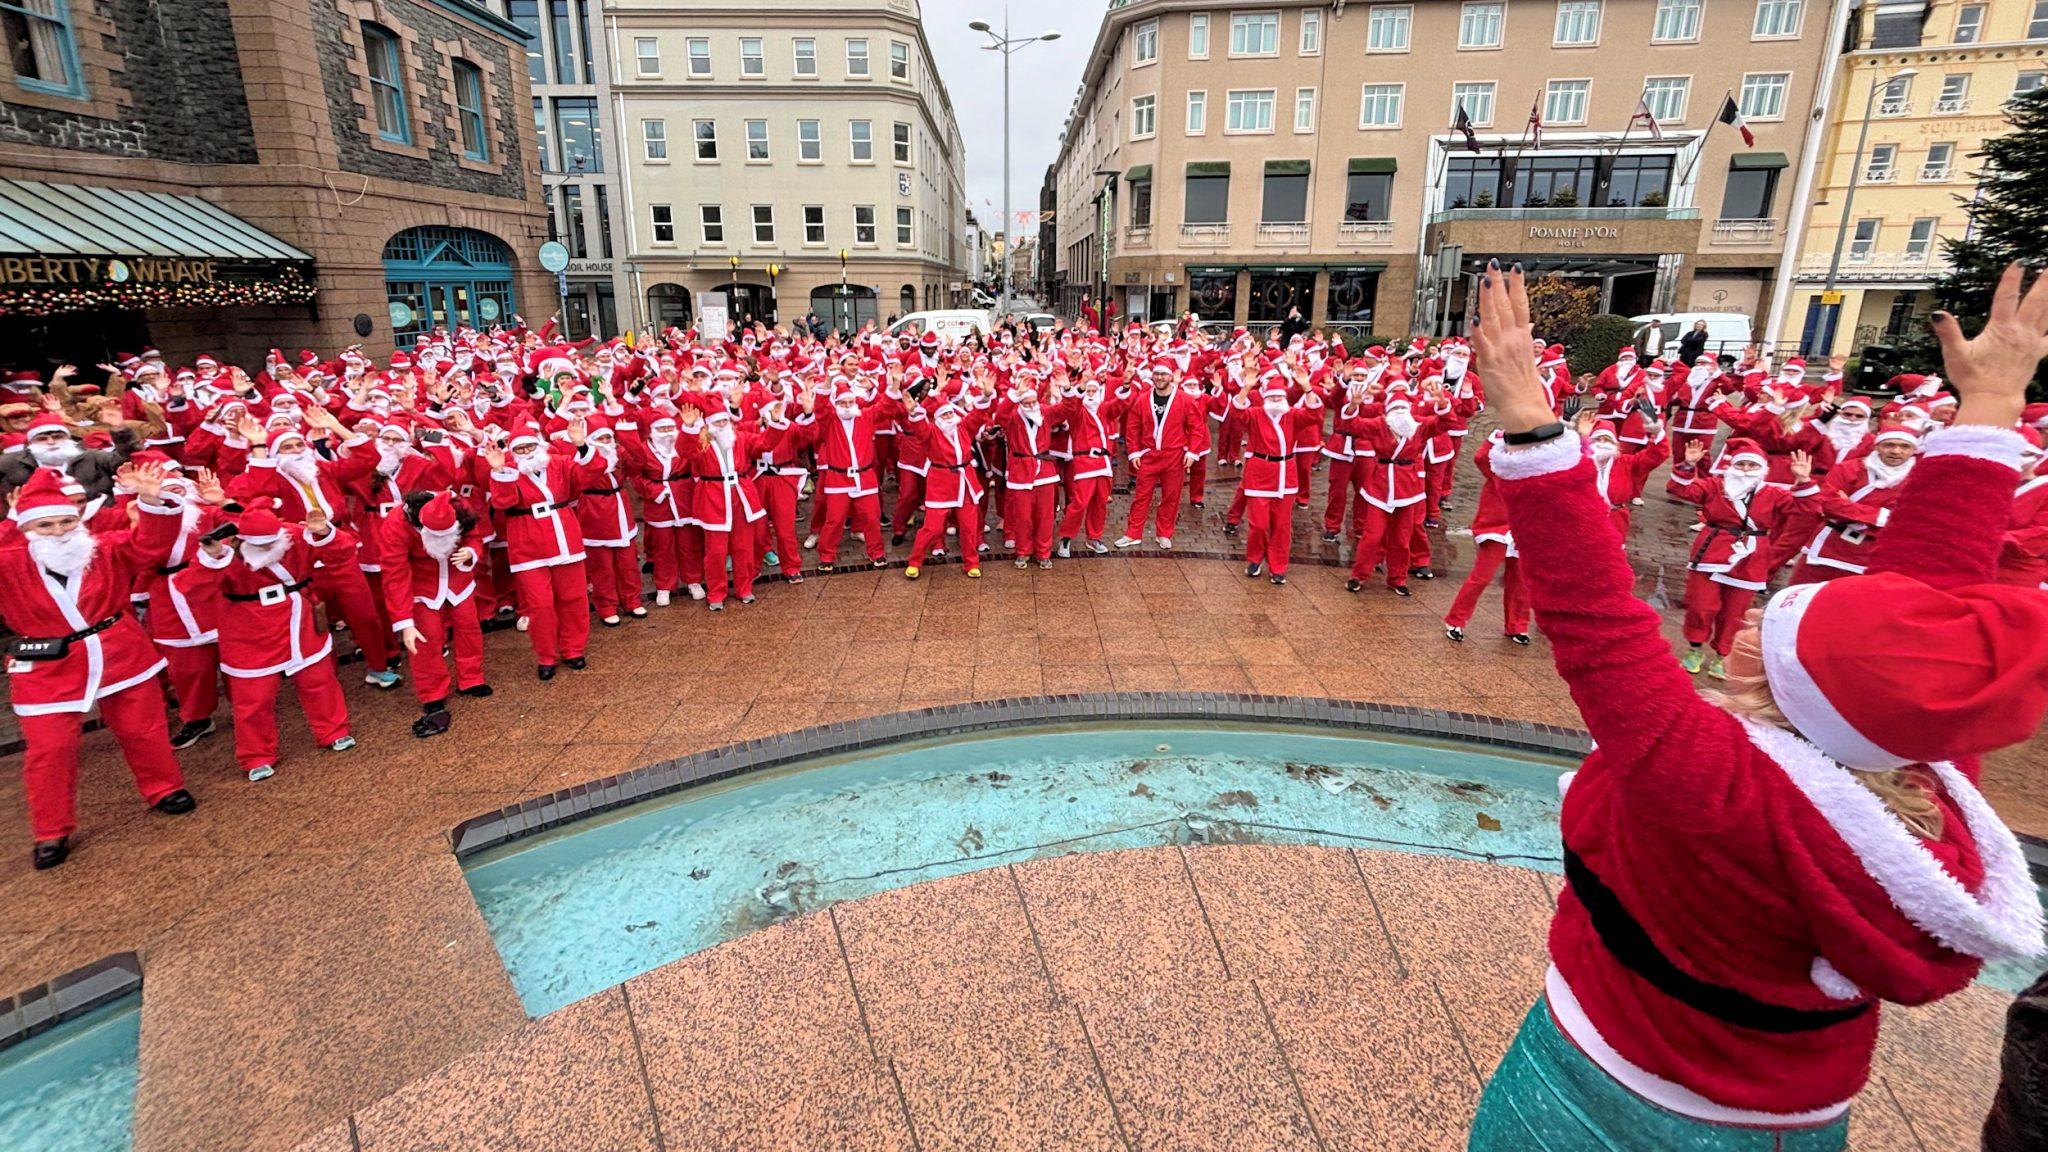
pixel 1922 90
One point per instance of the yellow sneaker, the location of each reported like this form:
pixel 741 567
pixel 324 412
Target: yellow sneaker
pixel 974 573
pixel 910 573
pixel 1715 669
pixel 1693 660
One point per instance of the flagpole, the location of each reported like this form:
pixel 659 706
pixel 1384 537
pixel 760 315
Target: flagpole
pixel 1700 148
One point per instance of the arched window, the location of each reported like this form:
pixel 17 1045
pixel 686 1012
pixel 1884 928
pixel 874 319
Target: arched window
pixel 469 111
pixel 908 298
pixel 668 305
pixel 438 277
pixel 387 82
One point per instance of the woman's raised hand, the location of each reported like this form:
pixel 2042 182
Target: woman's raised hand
pixel 1503 341
pixel 1990 373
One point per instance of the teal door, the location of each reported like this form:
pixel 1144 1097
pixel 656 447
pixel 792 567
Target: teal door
pixel 445 278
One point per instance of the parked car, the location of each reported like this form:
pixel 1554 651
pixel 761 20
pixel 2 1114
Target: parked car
pixel 1040 320
pixel 949 323
pixel 1728 332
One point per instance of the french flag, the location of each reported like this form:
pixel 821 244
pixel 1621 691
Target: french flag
pixel 1731 114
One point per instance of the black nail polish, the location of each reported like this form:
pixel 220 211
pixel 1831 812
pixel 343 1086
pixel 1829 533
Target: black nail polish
pixel 1493 263
pixel 1518 265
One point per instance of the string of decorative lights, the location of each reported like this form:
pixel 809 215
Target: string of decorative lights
pixel 51 301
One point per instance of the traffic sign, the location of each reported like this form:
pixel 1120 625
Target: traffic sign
pixel 1831 297
pixel 554 256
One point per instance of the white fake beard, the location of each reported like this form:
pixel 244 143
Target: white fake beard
pixel 390 456
pixel 1604 450
pixel 723 436
pixel 948 424
pixel 610 452
pixel 1886 475
pixel 66 555
pixel 301 467
pixel 1454 370
pixel 1402 424
pixel 441 544
pixel 664 442
pixel 534 463
pixel 1092 402
pixel 56 455
pixel 1275 411
pixel 1739 486
pixel 260 556
pixel 1847 434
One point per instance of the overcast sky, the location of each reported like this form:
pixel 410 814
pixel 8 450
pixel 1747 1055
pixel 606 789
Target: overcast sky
pixel 1043 79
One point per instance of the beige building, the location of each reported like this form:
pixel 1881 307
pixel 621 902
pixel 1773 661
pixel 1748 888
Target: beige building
pixel 1924 87
pixel 795 156
pixel 1240 161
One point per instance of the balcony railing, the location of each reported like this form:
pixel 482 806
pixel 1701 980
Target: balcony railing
pixel 1209 234
pixel 1759 231
pixel 1952 105
pixel 1935 173
pixel 1588 215
pixel 1895 108
pixel 1292 232
pixel 1880 174
pixel 1869 263
pixel 1375 232
pixel 1138 236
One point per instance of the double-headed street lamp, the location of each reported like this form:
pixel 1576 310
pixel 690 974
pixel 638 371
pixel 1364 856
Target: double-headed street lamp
pixel 1824 342
pixel 1008 46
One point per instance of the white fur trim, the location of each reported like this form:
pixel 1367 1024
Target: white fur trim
pixel 1998 445
pixel 1802 700
pixel 1558 454
pixel 1828 980
pixel 1564 782
pixel 2005 921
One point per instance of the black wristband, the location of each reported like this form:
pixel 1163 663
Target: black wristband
pixel 1536 435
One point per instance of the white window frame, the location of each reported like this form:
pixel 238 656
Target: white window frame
pixel 1247 21
pixel 1690 14
pixel 1372 96
pixel 766 153
pixel 1304 110
pixel 872 226
pixel 1145 44
pixel 1311 39
pixel 1575 10
pixel 1250 101
pixel 1780 12
pixel 1971 30
pixel 697 141
pixel 853 141
pixel 1943 170
pixel 1552 91
pixel 1198 24
pixel 653 132
pixel 646 51
pixel 1144 117
pixel 1388 18
pixel 901 151
pixel 1684 98
pixel 655 224
pixel 2037 21
pixel 1742 93
pixel 2020 85
pixel 1860 248
pixel 1881 166
pixel 1492 88
pixel 906 227
pixel 907 77
pixel 711 216
pixel 1957 101
pixel 695 57
pixel 814 217
pixel 1926 244
pixel 867 64
pixel 1197 122
pixel 755 217
pixel 757 60
pixel 815 145
pixel 797 57
pixel 1472 8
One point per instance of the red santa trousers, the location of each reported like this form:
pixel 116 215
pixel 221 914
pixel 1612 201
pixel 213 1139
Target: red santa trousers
pixel 255 701
pixel 677 554
pixel 1714 610
pixel 1230 439
pixel 1270 532
pixel 1492 556
pixel 437 627
pixel 1304 472
pixel 1198 479
pixel 866 512
pixel 555 600
pixel 49 769
pixel 1030 521
pixel 1679 441
pixel 195 677
pixel 909 498
pixel 1343 485
pixel 1153 482
pixel 931 536
pixel 742 547
pixel 1418 543
pixel 778 532
pixel 345 592
pixel 1388 536
pixel 614 578
pixel 1087 509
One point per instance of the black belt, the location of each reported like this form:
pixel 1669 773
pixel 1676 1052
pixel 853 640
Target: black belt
pixel 1402 461
pixel 952 467
pixel 1274 459
pixel 673 479
pixel 173 569
pixel 1092 452
pixel 1629 944
pixel 268 594
pixel 94 629
pixel 845 471
pixel 600 491
pixel 541 509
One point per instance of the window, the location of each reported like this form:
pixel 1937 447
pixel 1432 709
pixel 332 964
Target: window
pixel 576 128
pixel 572 222
pixel 1880 166
pixel 1145 43
pixel 1286 198
pixel 1763 95
pixel 1198 113
pixel 1564 101
pixel 706 134
pixel 525 13
pixel 806 56
pixel 1479 24
pixel 647 55
pixel 810 144
pixel 856 58
pixel 1639 181
pixel 714 223
pixel 1380 106
pixel 757 140
pixel 1920 241
pixel 1141 203
pixel 654 139
pixel 1553 182
pixel 1144 117
pixel 1776 19
pixel 1198 36
pixel 814 223
pixel 1249 111
pixel 1863 241
pixel 1749 193
pixel 901 141
pixel 1472 182
pixel 1676 20
pixel 1207 199
pixel 700 56
pixel 1665 96
pixel 1476 98
pixel 1897 97
pixel 862 135
pixel 899 61
pixel 1578 22
pixel 543 143
pixel 469 111
pixel 1941 156
pixel 664 219
pixel 1255 34
pixel 1387 27
pixel 752 62
pixel 764 223
pixel 863 223
pixel 1955 94
pixel 561 30
pixel 604 221
pixel 2028 82
pixel 1304 109
pixel 387 84
pixel 904 237
pixel 2037 24
pixel 1312 32
pixel 1368 197
pixel 1969 23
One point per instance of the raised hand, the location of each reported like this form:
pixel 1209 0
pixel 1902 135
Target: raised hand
pixel 494 456
pixel 579 431
pixel 1802 466
pixel 1695 452
pixel 209 487
pixel 317 523
pixel 1990 372
pixel 1503 343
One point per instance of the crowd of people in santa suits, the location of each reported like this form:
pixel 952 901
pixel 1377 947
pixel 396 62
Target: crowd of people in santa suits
pixel 510 473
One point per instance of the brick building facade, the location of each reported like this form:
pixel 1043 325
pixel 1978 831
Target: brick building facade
pixel 388 142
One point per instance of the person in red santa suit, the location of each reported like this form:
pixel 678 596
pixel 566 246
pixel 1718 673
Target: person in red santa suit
pixel 1749 875
pixel 729 508
pixel 1619 470
pixel 610 531
pixel 1467 396
pixel 1853 505
pixel 1393 488
pixel 952 488
pixel 842 434
pixel 535 488
pixel 64 596
pixel 1729 563
pixel 2023 560
pixel 1093 420
pixel 668 495
pixel 1031 474
pixel 184 604
pixel 268 632
pixel 1349 460
pixel 1165 430
pixel 1270 479
pixel 1493 550
pixel 910 469
pixel 430 558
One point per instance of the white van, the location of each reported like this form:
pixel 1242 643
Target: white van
pixel 1728 332
pixel 951 323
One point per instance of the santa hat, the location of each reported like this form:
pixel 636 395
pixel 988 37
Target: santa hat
pixel 526 433
pixel 206 361
pixel 48 493
pixel 47 422
pixel 1627 352
pixel 1739 450
pixel 1794 368
pixel 258 526
pixel 1603 432
pixel 1951 673
pixel 400 361
pixel 1553 357
pixel 662 424
pixel 1942 401
pixel 930 339
pixel 1273 390
pixel 1419 346
pixel 1857 403
pixel 1653 368
pixel 438 514
pixel 1898 434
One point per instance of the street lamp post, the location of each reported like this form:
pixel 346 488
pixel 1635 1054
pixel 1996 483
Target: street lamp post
pixel 1824 343
pixel 1008 46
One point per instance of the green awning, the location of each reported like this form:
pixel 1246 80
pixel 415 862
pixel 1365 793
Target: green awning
pixel 1208 167
pixel 1286 167
pixel 1372 166
pixel 46 219
pixel 1139 173
pixel 1759 160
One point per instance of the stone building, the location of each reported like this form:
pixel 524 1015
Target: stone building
pixel 236 175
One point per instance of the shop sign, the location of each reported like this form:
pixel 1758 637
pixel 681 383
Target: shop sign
pixel 590 268
pixel 1574 235
pixel 69 271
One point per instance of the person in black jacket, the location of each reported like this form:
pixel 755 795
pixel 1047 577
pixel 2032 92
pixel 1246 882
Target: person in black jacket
pixel 1692 343
pixel 53 444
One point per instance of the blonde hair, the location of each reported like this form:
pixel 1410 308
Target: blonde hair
pixel 1901 789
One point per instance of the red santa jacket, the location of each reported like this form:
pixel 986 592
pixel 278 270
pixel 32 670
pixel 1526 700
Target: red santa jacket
pixel 267 625
pixel 1028 460
pixel 1159 438
pixel 950 478
pixel 413 575
pixel 1621 479
pixel 1490 518
pixel 845 450
pixel 1270 445
pixel 603 507
pixel 1692 405
pixel 2024 557
pixel 1729 548
pixel 725 491
pixel 666 483
pixel 541 529
pixel 1093 433
pixel 1853 508
pixel 35 604
pixel 1768 431
pixel 1396 477
pixel 183 595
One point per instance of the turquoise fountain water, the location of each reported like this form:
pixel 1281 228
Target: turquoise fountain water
pixel 72 1089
